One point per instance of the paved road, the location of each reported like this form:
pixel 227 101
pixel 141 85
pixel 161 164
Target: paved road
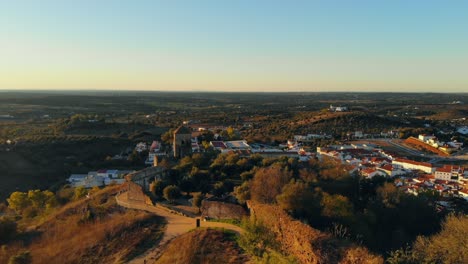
pixel 460 156
pixel 176 226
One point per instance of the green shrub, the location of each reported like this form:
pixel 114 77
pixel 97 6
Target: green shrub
pixel 22 258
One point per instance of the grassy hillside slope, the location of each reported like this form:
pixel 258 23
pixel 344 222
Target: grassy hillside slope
pixel 203 246
pixel 90 230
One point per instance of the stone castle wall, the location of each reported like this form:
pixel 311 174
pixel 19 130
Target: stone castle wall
pixel 307 244
pixel 135 194
pixel 222 210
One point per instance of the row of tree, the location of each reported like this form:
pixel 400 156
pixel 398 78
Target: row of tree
pixel 369 211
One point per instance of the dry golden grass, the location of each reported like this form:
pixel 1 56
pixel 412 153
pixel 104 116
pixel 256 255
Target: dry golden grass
pixel 94 230
pixel 203 246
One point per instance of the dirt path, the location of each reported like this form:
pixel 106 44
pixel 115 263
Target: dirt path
pixel 176 226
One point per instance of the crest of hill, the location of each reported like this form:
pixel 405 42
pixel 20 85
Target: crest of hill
pixel 448 114
pixel 345 121
pixel 203 246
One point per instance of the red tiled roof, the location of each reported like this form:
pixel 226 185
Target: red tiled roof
pixel 379 159
pixel 450 168
pixel 426 176
pixel 218 144
pixel 355 151
pixel 368 171
pixel 425 164
pixel 441 182
pixel 387 167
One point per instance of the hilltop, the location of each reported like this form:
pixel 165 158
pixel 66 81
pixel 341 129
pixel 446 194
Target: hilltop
pixel 90 230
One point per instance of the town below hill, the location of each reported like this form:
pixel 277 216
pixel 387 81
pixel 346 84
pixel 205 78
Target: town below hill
pixel 291 178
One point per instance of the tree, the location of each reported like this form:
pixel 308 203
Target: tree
pixel 219 189
pixel 242 192
pixel 199 160
pixel 22 258
pixel 336 206
pixel 18 201
pixel 197 201
pixel 171 193
pixel 168 136
pixel 230 132
pixel 206 144
pixel 42 199
pixel 268 183
pixel 157 187
pixel 185 164
pixel 448 246
pixel 247 175
pixel 388 194
pixel 37 198
pixel 187 186
pixel 7 229
pixel 298 198
pixel 308 176
pixel 79 193
pixel 165 164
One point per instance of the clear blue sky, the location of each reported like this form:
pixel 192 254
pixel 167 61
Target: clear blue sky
pixel 395 45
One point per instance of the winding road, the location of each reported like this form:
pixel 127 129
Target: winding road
pixel 176 226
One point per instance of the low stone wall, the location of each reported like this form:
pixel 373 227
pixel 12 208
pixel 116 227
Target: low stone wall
pixel 307 244
pixel 222 210
pixel 135 193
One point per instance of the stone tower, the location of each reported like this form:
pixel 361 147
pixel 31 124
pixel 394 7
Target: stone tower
pixel 182 142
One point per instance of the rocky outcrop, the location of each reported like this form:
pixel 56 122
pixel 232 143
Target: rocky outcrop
pixel 222 210
pixel 307 244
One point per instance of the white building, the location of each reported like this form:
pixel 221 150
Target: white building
pixel 76 177
pixel 450 173
pixel 391 171
pixel 414 165
pixel 338 108
pixel 426 138
pixel 140 147
pixel 371 172
pixel 463 130
pixel 358 134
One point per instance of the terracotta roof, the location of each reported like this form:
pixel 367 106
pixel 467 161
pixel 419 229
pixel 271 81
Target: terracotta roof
pixel 379 159
pixel 368 171
pixel 183 130
pixel 218 144
pixel 425 164
pixel 441 182
pixel 450 168
pixel 355 151
pixel 426 176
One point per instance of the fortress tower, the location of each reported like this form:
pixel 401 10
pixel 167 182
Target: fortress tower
pixel 182 143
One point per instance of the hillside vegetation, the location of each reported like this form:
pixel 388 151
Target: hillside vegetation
pixel 90 230
pixel 203 246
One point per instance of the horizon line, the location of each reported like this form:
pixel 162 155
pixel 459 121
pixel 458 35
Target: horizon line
pixel 217 92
